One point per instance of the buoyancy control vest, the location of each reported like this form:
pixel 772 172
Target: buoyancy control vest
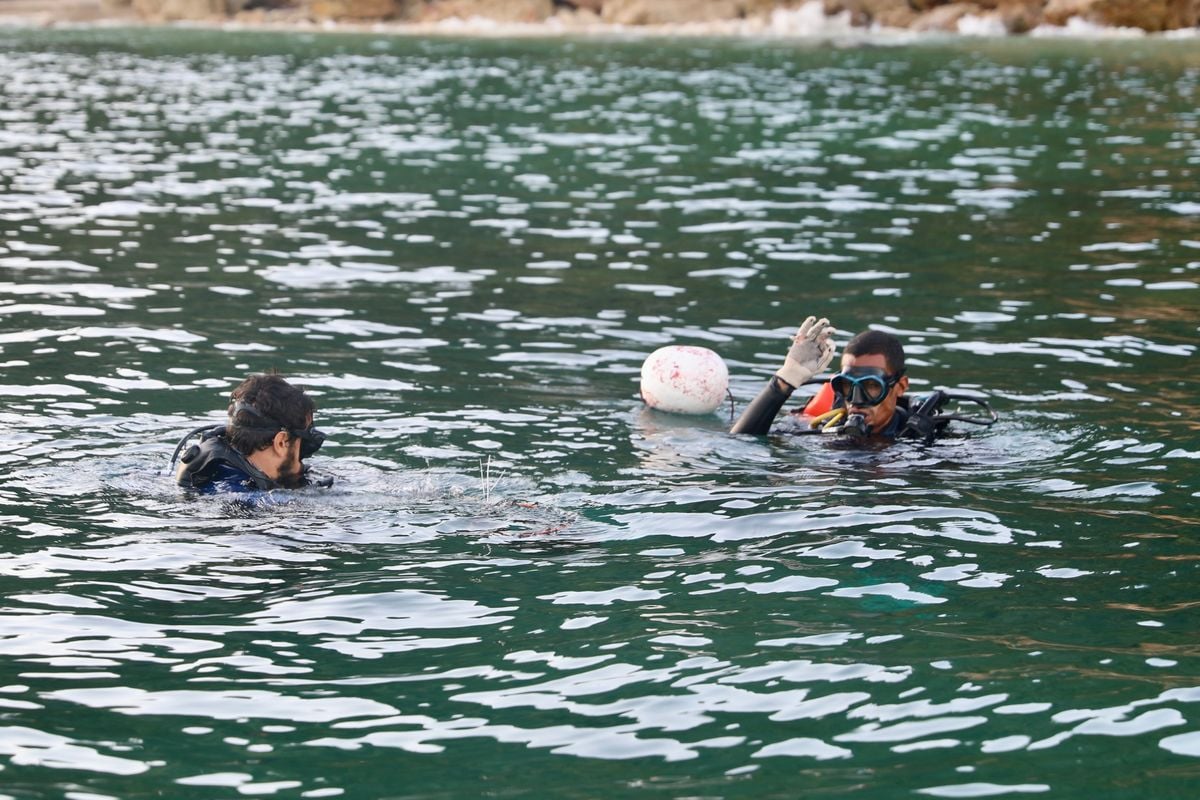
pixel 213 462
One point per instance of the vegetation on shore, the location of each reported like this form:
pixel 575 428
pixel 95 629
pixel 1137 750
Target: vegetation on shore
pixel 1012 16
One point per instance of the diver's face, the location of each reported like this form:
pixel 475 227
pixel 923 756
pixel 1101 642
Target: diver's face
pixel 280 460
pixel 291 468
pixel 879 415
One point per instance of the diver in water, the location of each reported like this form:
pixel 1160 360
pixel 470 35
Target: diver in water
pixel 263 445
pixel 866 400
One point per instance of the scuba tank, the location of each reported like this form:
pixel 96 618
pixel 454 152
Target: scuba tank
pixel 923 423
pixel 927 422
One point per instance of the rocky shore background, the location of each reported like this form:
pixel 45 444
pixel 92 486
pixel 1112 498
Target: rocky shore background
pixel 999 16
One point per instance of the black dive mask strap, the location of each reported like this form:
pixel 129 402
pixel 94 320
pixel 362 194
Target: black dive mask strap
pixel 241 405
pixel 310 438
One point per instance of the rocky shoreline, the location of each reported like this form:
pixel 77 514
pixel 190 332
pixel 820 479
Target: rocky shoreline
pixel 675 16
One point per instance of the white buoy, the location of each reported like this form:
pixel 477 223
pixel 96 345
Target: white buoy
pixel 684 380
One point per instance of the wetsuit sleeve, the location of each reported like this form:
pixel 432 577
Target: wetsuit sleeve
pixel 759 415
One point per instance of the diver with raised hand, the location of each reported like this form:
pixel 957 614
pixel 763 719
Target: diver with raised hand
pixel 866 397
pixel 865 401
pixel 263 445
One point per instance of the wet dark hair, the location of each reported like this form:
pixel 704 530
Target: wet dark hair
pixel 870 343
pixel 276 401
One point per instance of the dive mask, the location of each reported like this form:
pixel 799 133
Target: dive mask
pixel 864 386
pixel 310 438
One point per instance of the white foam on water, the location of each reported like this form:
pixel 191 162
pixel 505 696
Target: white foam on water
pixel 809 19
pixel 981 25
pixel 1079 28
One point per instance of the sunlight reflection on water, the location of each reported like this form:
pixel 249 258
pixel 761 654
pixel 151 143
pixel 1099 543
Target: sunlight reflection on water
pixel 464 251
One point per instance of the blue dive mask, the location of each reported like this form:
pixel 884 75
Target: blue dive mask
pixel 864 386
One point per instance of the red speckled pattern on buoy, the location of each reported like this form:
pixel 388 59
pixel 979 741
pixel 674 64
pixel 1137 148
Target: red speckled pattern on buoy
pixel 684 379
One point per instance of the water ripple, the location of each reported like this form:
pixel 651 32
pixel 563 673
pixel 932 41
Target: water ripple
pixel 464 251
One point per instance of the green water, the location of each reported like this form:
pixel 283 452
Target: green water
pixel 523 584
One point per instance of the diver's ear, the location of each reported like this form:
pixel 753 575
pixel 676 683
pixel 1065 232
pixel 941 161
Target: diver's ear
pixel 282 443
pixel 903 384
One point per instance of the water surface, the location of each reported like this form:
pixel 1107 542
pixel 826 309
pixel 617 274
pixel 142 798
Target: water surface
pixel 522 583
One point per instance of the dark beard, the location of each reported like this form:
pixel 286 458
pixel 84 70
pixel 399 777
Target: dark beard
pixel 292 477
